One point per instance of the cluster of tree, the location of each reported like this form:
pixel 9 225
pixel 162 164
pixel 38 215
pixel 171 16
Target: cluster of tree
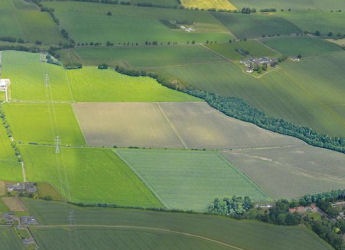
pixel 9 134
pixel 102 66
pixel 241 110
pixel 20 48
pixel 236 206
pixel 268 10
pixel 332 196
pixel 248 10
pixel 11 39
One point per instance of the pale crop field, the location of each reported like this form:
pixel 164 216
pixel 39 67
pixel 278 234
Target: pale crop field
pixel 293 171
pixel 87 175
pixel 189 179
pixel 171 125
pixel 125 124
pixel 209 4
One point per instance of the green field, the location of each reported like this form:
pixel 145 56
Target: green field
pixel 23 19
pixel 305 46
pixel 293 4
pixel 256 25
pixel 42 123
pixel 255 49
pixel 87 175
pixel 9 167
pixel 28 74
pixel 189 180
pixel 9 240
pixel 242 234
pixel 89 22
pixel 138 57
pixel 169 3
pixel 313 20
pixel 295 91
pixel 93 85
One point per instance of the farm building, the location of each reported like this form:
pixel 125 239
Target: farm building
pixel 4 83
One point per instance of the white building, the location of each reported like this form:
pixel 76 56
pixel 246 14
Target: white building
pixel 4 83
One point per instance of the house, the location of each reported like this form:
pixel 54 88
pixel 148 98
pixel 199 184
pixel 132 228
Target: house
pixel 8 218
pixel 4 83
pixel 30 187
pixel 18 187
pixel 28 220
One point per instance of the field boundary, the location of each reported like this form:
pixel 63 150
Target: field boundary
pixel 141 178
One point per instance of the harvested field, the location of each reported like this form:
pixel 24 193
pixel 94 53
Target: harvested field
pixel 291 172
pixel 125 124
pixel 171 125
pixel 14 204
pixel 208 4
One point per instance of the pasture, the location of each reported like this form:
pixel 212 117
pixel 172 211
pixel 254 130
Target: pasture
pixel 308 93
pixel 93 85
pixel 42 122
pixel 253 47
pixel 23 19
pixel 189 180
pixel 305 46
pixel 256 25
pixel 87 175
pixel 316 20
pixel 9 240
pixel 291 172
pixel 10 169
pixel 89 22
pixel 170 125
pixel 242 234
pixel 139 57
pixel 28 75
pixel 208 4
pixel 293 4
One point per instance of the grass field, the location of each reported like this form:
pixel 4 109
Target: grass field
pixel 93 85
pixel 256 25
pixel 305 46
pixel 10 169
pixel 255 49
pixel 42 123
pixel 291 172
pixel 169 125
pixel 242 234
pixel 313 20
pixel 138 57
pixel 22 19
pixel 9 240
pixel 87 175
pixel 27 74
pixel 189 180
pixel 208 4
pixel 169 3
pixel 89 22
pixel 293 4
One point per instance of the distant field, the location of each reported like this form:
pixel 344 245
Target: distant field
pixel 256 25
pixel 23 19
pixel 9 166
pixel 316 20
pixel 93 85
pixel 171 125
pixel 89 22
pixel 189 180
pixel 42 123
pixel 242 234
pixel 9 240
pixel 139 57
pixel 291 172
pixel 255 49
pixel 87 175
pixel 27 74
pixel 305 46
pixel 208 4
pixel 170 3
pixel 117 238
pixel 309 92
pixel 293 4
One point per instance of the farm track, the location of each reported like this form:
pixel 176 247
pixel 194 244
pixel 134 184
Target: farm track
pixel 157 229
